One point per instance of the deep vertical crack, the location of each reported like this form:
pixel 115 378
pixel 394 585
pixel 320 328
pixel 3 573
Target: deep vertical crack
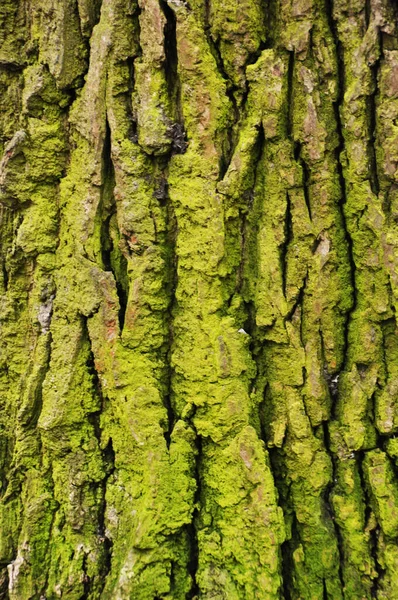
pixel 329 504
pixel 373 533
pixel 339 152
pixel 193 536
pixel 288 236
pixel 112 257
pixel 172 278
pixel 108 458
pixel 372 117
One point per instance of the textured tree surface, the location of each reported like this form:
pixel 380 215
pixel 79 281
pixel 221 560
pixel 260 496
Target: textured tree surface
pixel 198 287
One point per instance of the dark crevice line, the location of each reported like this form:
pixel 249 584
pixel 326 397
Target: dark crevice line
pixel 328 503
pixel 87 582
pixel 368 12
pixel 301 389
pixel 300 302
pixel 170 48
pixel 288 237
pixel 306 176
pixel 108 249
pixel 4 583
pixel 384 325
pixel 297 146
pixel 373 532
pixel 112 258
pixel 192 528
pixel 246 216
pixel 137 26
pixel 108 458
pixel 254 56
pixel 6 242
pixel 130 60
pixel 230 88
pixel 297 303
pixel 372 113
pixel 12 66
pixel 271 9
pixel 306 186
pixel 5 275
pixel 171 261
pixel 289 99
pixel 161 195
pixel 287 549
pixel 176 129
pixel 325 591
pixel 248 228
pixel 171 280
pixel 86 33
pixel 339 151
pixel 133 126
pixel 287 568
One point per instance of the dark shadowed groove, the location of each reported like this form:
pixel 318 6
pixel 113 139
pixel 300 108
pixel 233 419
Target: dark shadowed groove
pixel 4 582
pixel 132 134
pixel 332 380
pixel 87 582
pixel 245 216
pixel 368 11
pixel 176 129
pixel 96 13
pixel 172 280
pixel 289 98
pixel 170 48
pixel 332 384
pixel 372 114
pixel 108 457
pixel 286 549
pixel 340 149
pixel 306 185
pixel 373 532
pixel 325 592
pixel 192 528
pixel 288 233
pixel 270 19
pixel 161 194
pixel 6 242
pixel 329 504
pixel 107 245
pixel 297 146
pixel 230 88
pixel 298 302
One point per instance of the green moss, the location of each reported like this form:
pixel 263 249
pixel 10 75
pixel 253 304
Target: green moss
pixel 167 305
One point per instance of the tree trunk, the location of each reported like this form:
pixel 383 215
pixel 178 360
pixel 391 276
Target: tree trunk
pixel 199 279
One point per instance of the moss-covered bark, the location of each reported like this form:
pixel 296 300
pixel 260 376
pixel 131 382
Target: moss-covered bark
pixel 198 288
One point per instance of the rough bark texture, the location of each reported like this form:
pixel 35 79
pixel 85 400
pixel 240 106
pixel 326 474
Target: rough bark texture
pixel 198 287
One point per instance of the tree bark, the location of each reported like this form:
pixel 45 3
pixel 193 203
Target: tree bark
pixel 198 288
